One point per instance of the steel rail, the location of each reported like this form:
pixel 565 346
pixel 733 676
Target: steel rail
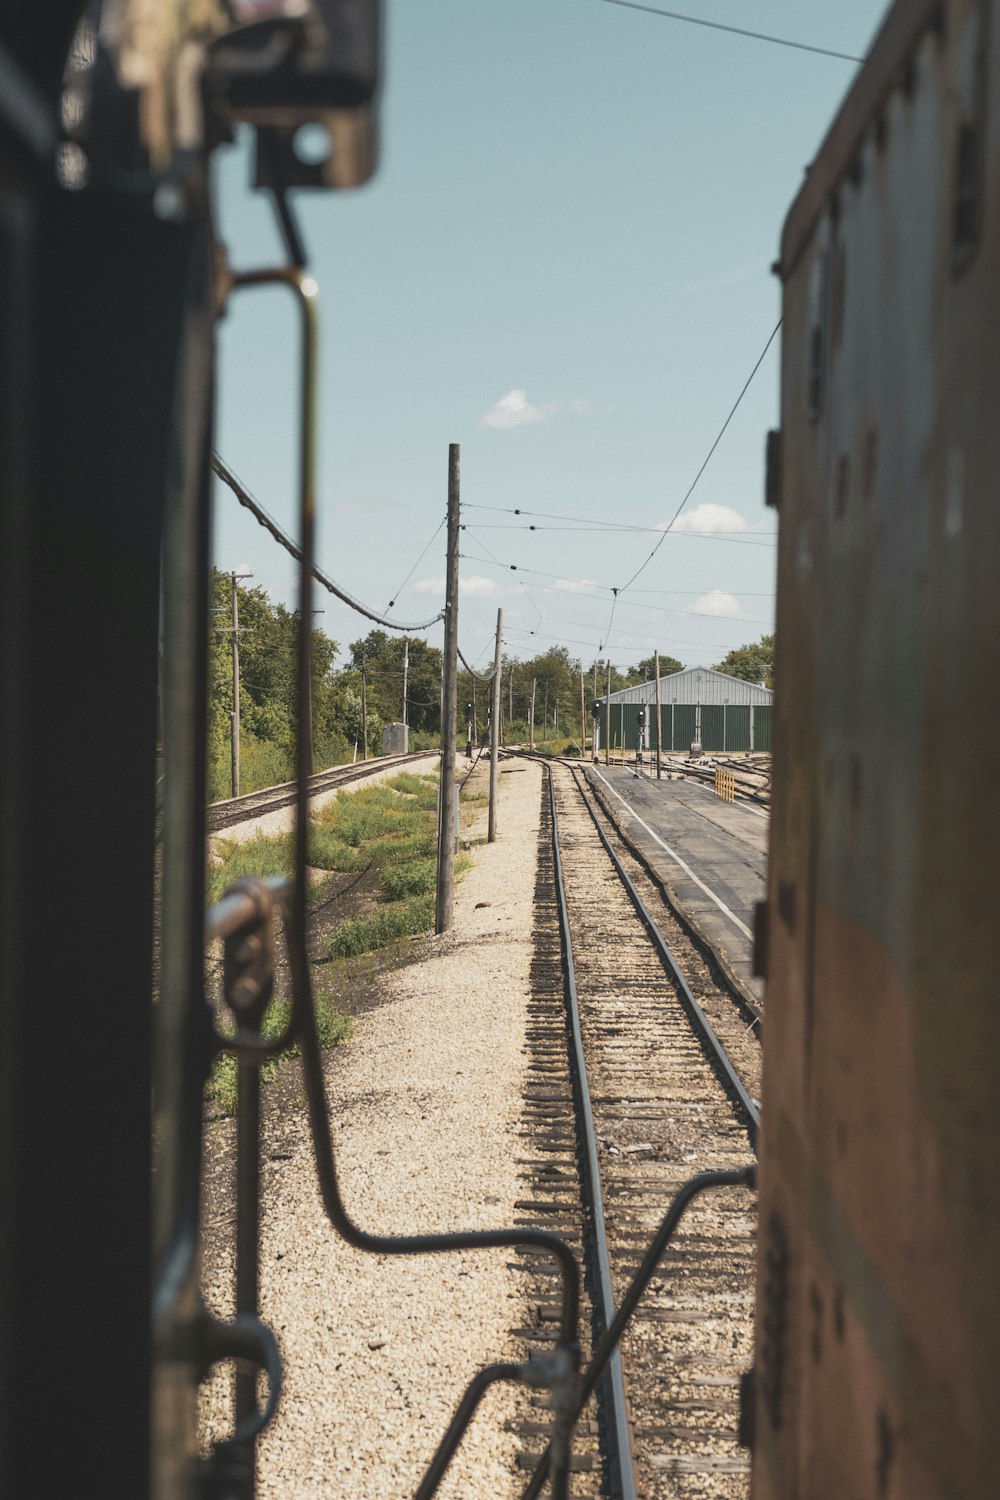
pixel 717 1053
pixel 606 1354
pixel 616 1401
pixel 231 810
pixel 744 792
pixel 559 1373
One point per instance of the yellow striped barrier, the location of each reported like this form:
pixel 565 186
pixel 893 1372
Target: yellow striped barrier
pixel 725 784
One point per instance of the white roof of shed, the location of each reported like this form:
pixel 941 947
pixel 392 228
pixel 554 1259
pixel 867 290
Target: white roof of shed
pixel 696 685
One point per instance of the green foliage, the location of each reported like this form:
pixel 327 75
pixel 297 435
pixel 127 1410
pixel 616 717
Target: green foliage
pixel 568 747
pixel 268 643
pixel 417 877
pixel 402 919
pixel 753 662
pixel 332 1026
pixel 261 855
pixel 645 670
pixel 406 782
pixel 383 658
pixel 422 789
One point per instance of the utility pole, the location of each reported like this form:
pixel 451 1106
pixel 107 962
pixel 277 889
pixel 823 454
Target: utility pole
pixel 607 718
pixel 235 717
pixel 406 679
pixel 531 717
pixel 445 909
pixel 545 713
pixel 583 722
pixel 235 774
pixel 510 713
pixel 659 767
pixel 364 708
pixel 495 731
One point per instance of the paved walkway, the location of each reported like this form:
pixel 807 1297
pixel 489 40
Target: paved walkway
pixel 712 855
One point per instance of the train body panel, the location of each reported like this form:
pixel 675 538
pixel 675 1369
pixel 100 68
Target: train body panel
pixel 877 1365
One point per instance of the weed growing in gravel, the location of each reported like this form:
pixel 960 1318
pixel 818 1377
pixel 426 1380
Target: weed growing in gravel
pixel 332 1025
pixel 416 877
pixel 257 856
pixel 423 789
pixel 392 827
pixel 401 919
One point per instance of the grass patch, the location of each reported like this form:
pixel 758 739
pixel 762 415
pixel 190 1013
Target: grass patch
pixel 416 877
pixel 568 747
pixel 401 919
pixel 332 1025
pixel 407 782
pixel 261 855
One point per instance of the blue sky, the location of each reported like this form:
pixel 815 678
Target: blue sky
pixel 563 264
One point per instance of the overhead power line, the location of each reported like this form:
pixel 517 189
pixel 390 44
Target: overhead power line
pixel 245 498
pixel 475 677
pixel 416 565
pixel 757 36
pixel 705 463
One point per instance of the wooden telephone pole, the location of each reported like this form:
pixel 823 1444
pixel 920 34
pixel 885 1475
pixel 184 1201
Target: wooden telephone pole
pixel 449 710
pixel 583 722
pixel 659 766
pixel 495 730
pixel 236 690
pixel 607 718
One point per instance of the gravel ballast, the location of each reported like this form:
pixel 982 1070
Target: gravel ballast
pixel 426 1102
pixel 282 820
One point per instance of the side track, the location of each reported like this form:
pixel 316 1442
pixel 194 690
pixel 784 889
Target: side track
pixel 270 799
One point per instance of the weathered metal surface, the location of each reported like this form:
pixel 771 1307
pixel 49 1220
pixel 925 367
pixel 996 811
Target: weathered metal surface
pixel 880 1152
pixel 696 685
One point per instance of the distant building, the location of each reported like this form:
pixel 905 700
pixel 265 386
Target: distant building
pixel 734 715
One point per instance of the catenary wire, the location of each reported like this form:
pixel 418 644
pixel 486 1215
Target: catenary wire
pixel 583 593
pixel 706 461
pixel 416 565
pixel 757 36
pixel 253 505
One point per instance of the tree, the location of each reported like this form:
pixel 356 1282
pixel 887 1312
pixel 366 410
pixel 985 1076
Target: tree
pixel 645 670
pixel 269 636
pixel 753 662
pixel 383 658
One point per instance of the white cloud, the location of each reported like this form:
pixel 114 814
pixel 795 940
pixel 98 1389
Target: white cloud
pixel 476 585
pixel 576 585
pixel 515 410
pixel 471 585
pixel 709 517
pixel 718 603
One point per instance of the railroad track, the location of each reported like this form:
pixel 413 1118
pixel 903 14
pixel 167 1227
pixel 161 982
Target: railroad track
pixel 632 1093
pixel 752 783
pixel 256 804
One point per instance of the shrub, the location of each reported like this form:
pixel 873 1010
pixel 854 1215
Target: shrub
pixel 261 855
pixel 403 919
pixel 332 1026
pixel 417 877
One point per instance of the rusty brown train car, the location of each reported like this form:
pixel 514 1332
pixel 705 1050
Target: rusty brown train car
pixel 877 1372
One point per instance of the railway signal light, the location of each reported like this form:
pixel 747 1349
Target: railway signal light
pixel 641 723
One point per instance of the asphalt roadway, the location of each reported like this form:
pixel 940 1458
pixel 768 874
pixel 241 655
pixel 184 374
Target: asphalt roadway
pixel 711 855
